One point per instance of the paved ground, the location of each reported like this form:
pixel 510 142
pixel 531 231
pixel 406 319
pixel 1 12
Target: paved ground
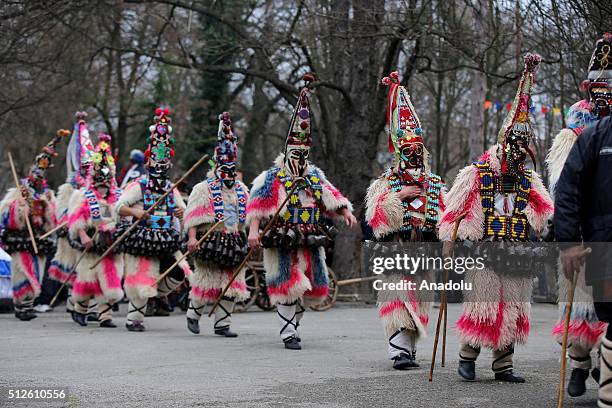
pixel 343 364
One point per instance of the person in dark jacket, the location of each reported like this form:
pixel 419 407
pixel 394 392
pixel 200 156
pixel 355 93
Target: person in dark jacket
pixel 583 213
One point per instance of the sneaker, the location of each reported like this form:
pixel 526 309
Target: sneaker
pixel 42 308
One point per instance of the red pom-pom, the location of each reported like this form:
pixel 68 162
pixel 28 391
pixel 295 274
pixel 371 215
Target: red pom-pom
pixel 394 75
pixel 304 125
pixel 585 85
pixel 103 137
pixel 147 153
pixel 386 81
pixel 171 152
pixel 166 111
pixel 158 111
pixel 308 77
pixel 532 62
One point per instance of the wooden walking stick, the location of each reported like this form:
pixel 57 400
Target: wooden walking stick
pixel 53 231
pixel 251 250
pixel 186 254
pixel 78 261
pixel 567 318
pixel 442 313
pixel 27 218
pixel 147 212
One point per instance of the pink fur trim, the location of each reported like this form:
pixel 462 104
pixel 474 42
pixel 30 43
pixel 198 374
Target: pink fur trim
pixel 380 218
pixel 539 204
pixel 111 276
pixel 56 273
pixel 266 206
pixel 23 292
pixel 295 279
pixel 390 307
pixel 485 331
pixel 28 266
pixel 81 215
pixel 86 289
pixel 200 212
pixel 474 194
pixel 13 224
pixel 141 277
pixel 207 294
pixel 581 331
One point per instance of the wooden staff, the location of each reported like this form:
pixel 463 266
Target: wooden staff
pixel 53 231
pixel 149 210
pixel 567 318
pixel 251 250
pixel 78 261
pixel 186 254
pixel 442 314
pixel 27 218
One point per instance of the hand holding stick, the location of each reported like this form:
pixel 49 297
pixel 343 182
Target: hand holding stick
pixel 567 318
pixel 186 254
pixel 78 261
pixel 150 210
pixel 27 217
pixel 252 249
pixel 442 313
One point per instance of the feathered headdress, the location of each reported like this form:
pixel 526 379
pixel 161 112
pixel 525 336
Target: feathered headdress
pixel 42 161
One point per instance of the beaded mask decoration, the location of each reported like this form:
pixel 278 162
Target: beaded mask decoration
pixel 226 151
pixel 299 136
pixel 517 131
pixel 42 161
pixel 159 153
pixel 404 128
pixel 103 162
pixel 599 82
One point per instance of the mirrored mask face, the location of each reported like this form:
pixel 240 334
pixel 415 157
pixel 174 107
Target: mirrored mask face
pixel 102 176
pixel 601 98
pixel 227 174
pixel 296 159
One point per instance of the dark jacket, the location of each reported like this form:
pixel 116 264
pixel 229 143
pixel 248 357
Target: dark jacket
pixel 583 198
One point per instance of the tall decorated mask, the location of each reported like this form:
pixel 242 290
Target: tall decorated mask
pixel 160 151
pixel 42 161
pixel 299 136
pixel 102 172
pixel 599 82
pixel 405 132
pixel 517 131
pixel 226 151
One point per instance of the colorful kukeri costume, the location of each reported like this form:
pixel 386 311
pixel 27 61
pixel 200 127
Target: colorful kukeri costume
pixel 294 255
pixel 219 197
pixel 78 160
pixel 91 216
pixel 27 267
pixel 154 244
pixel 585 329
pixel 499 200
pixel 404 314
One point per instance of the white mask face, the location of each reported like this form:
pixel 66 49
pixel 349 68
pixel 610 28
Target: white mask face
pixel 296 159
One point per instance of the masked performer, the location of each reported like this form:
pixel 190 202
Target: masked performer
pixel 404 204
pixel 154 244
pixel 498 199
pixel 294 256
pixel 37 202
pixel 585 329
pixel 220 197
pixel 91 225
pixel 78 160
